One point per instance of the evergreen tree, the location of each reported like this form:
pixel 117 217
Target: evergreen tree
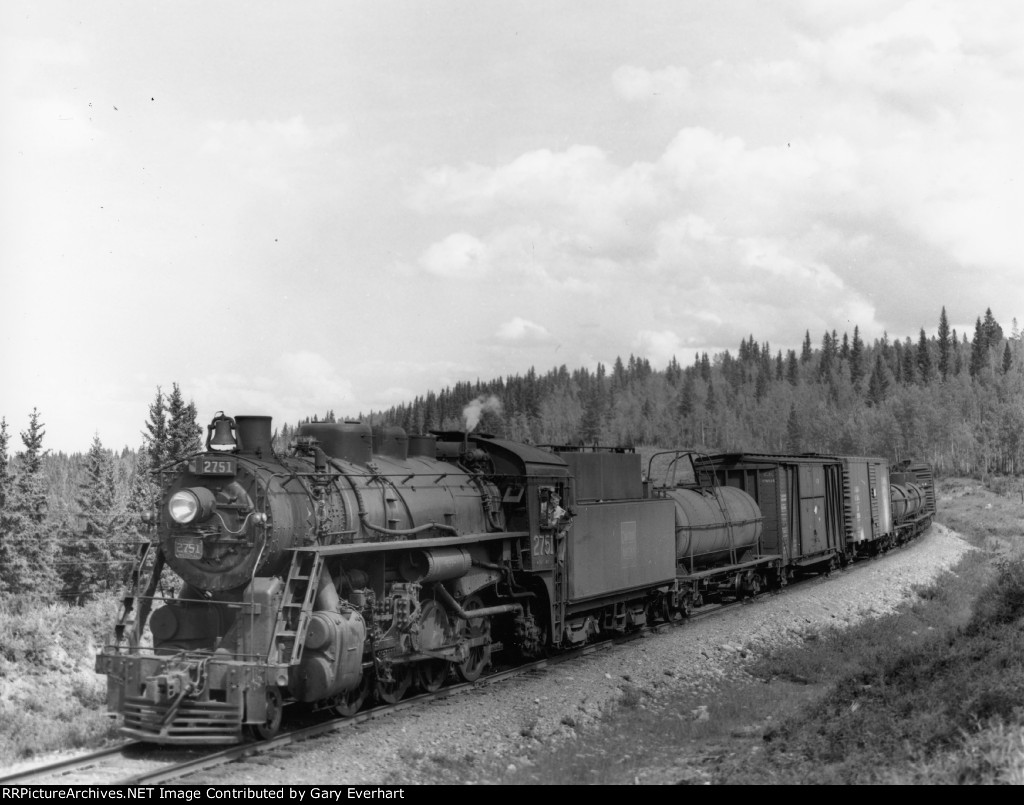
pixel 27 547
pixel 792 368
pixel 878 383
pixel 856 358
pixel 979 350
pixel 5 471
pixel 94 557
pixel 805 353
pixel 1007 358
pixel 993 332
pixel 684 407
pixel 673 372
pixel 155 435
pixel 909 363
pixel 183 431
pixel 944 345
pixel 924 358
pixel 594 410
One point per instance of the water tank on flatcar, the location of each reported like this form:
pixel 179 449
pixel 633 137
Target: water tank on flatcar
pixel 907 497
pixel 714 525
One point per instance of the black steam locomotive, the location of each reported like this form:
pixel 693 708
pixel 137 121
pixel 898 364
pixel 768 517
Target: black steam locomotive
pixel 367 563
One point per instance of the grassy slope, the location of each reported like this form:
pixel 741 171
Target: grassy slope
pixel 50 697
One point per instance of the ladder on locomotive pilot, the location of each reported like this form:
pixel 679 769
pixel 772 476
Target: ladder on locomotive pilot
pixel 300 589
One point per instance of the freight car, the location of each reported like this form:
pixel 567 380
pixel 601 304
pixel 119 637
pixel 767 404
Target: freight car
pixel 819 510
pixel 366 563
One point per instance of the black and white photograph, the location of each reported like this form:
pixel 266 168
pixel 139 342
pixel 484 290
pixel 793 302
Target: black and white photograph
pixel 412 393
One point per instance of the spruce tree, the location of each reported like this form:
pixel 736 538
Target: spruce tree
pixel 1007 358
pixel 856 358
pixel 792 368
pixel 684 405
pixel 909 362
pixel 5 471
pixel 155 435
pixel 979 350
pixel 944 345
pixel 924 358
pixel 95 557
pixel 27 550
pixel 705 367
pixel 993 332
pixel 828 352
pixel 805 352
pixel 182 429
pixel 878 383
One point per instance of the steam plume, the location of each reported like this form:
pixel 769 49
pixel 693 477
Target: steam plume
pixel 475 409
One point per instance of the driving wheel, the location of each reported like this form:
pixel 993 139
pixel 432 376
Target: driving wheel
pixel 349 703
pixel 431 674
pixel 390 691
pixel 470 669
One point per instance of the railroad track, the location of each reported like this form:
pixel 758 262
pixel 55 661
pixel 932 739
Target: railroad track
pixel 137 764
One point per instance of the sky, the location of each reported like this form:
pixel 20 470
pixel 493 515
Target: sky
pixel 290 208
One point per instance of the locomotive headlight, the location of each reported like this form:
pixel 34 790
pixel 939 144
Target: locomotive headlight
pixel 191 505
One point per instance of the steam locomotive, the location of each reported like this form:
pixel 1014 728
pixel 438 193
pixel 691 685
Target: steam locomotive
pixel 367 563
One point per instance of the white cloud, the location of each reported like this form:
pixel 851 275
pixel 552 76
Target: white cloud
pixel 458 256
pixel 658 346
pixel 522 330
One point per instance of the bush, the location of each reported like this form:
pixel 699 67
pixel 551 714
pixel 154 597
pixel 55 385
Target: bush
pixel 1002 601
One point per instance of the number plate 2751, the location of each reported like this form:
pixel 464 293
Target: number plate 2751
pixel 188 548
pixel 221 465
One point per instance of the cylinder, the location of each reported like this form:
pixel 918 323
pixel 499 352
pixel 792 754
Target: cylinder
pixel 711 522
pixel 907 500
pixel 438 564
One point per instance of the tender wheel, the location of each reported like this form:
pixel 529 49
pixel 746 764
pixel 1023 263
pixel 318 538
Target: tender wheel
pixel 391 691
pixel 431 674
pixel 669 613
pixel 272 723
pixel 755 585
pixel 350 702
pixel 470 669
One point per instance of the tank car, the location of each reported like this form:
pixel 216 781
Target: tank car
pixel 719 550
pixel 913 498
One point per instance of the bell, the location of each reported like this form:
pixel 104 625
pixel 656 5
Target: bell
pixel 221 433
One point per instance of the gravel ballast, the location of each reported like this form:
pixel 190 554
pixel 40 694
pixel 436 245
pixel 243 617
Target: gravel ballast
pixel 504 721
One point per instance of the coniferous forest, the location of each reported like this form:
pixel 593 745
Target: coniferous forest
pixel 956 400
